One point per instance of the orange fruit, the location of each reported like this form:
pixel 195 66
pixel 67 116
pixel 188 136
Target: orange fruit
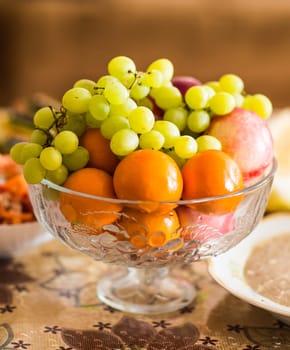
pixel 101 156
pixel 93 212
pixel 150 176
pixel 154 229
pixel 212 173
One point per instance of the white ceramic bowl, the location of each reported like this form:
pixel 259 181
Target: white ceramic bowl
pixel 228 269
pixel 15 239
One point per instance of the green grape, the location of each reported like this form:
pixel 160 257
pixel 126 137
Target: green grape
pixel 77 159
pixel 16 152
pixel 66 142
pixel 33 171
pixel 50 158
pixel 196 97
pixel 222 103
pixel 206 142
pixel 139 91
pixel 124 142
pixel 88 84
pixel 215 85
pixel 121 66
pixel 185 146
pixel 30 150
pixel 198 121
pixel 57 176
pixel 167 97
pixel 231 83
pixel 116 93
pixel 92 122
pixel 164 66
pixel 75 123
pixel 123 109
pixel 76 100
pixel 99 107
pixel 177 116
pixel 169 130
pixel 113 124
pixel 146 102
pixel 153 78
pixel 39 136
pixel 210 91
pixel 260 104
pixel 179 161
pixel 104 80
pixel 44 118
pixel 239 99
pixel 152 139
pixel 141 119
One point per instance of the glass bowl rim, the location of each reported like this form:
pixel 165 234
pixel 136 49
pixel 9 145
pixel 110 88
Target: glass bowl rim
pixel 244 191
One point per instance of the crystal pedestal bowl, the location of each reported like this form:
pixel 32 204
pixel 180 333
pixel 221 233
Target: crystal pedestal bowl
pixel 148 252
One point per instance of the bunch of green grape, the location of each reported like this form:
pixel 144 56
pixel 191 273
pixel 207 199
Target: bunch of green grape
pixel 133 109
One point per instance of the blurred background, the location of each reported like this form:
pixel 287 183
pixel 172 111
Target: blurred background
pixel 46 45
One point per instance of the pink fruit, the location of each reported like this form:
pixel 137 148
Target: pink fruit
pixel 201 227
pixel 246 138
pixel 183 83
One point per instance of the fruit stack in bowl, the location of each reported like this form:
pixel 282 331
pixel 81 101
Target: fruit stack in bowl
pixel 152 137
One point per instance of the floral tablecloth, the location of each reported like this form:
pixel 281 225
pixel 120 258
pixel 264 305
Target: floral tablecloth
pixel 48 302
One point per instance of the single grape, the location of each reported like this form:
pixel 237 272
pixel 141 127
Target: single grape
pixel 39 136
pixel 112 124
pixel 44 118
pixel 50 158
pixel 260 104
pixel 76 100
pixel 139 91
pixel 123 109
pixel 205 142
pixel 167 97
pixel 185 146
pixel 16 152
pixel 163 65
pixel 77 159
pixel 66 142
pixel 33 171
pixel 75 123
pixel 141 119
pixel 124 142
pixel 198 121
pixel 30 150
pixel 222 103
pixel 88 84
pixel 146 102
pixel 152 139
pixel 116 93
pixel 153 78
pixel 169 130
pixel 104 80
pixel 196 97
pixel 121 66
pixel 215 85
pixel 231 83
pixel 92 122
pixel 177 116
pixel 57 176
pixel 99 107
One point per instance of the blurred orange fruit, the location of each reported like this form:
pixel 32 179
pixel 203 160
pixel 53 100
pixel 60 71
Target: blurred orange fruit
pixel 90 211
pixel 150 176
pixel 154 229
pixel 212 173
pixel 101 156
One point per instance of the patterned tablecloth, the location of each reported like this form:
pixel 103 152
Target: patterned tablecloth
pixel 48 301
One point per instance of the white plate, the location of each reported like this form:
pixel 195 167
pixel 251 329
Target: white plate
pixel 15 239
pixel 228 268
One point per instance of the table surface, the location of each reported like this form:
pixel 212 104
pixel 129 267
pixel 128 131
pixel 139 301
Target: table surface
pixel 48 302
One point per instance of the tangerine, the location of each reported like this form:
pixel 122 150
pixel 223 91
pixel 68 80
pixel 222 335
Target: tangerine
pixel 150 176
pixel 212 173
pixel 91 211
pixel 154 229
pixel 101 156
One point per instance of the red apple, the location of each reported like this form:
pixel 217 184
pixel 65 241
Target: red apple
pixel 183 83
pixel 202 227
pixel 246 138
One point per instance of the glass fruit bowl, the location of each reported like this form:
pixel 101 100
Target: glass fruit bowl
pixel 149 243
